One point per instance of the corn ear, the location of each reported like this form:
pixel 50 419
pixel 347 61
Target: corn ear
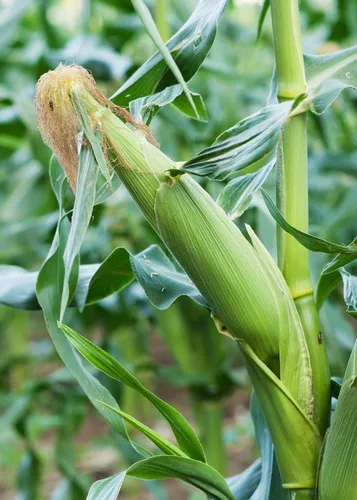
pixel 221 263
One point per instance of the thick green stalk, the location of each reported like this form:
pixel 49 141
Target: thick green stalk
pixel 287 43
pixel 292 197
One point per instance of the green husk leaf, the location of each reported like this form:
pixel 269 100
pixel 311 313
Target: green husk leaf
pixel 94 137
pixel 339 462
pixel 218 258
pixel 185 435
pixel 298 461
pixel 292 343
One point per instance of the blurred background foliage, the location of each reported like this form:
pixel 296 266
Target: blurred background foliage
pixel 48 430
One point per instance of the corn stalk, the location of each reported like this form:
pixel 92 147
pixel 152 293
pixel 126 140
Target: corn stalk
pixel 292 197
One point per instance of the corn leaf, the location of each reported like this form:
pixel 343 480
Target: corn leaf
pixel 327 75
pixel 245 484
pixel 82 213
pixel 29 475
pixel 162 443
pixel 307 240
pixel 162 282
pixel 10 16
pixel 188 47
pixel 152 30
pixel 18 288
pixel 199 474
pixel 49 292
pixel 349 292
pixel 145 108
pixel 106 189
pixel 156 273
pixel 95 282
pixel 110 277
pixel 330 277
pixel 325 286
pixel 185 435
pixel 269 487
pixel 250 143
pixel 236 196
pixel 107 489
pixel 339 462
pixel 263 14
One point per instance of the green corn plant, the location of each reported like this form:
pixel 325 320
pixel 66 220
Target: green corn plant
pixel 258 311
pixel 268 309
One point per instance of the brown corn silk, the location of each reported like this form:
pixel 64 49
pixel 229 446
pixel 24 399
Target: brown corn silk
pixel 57 120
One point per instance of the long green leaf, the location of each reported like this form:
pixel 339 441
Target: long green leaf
pixel 250 143
pixel 162 282
pixel 82 213
pixel 199 474
pixel 307 240
pixel 327 75
pixel 156 273
pixel 152 30
pixel 237 194
pixel 185 435
pixel 145 108
pixel 95 282
pixel 49 292
pixel 107 489
pixel 189 48
pixel 263 14
pixel 162 443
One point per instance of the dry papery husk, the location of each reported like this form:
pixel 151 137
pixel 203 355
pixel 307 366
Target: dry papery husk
pixel 57 119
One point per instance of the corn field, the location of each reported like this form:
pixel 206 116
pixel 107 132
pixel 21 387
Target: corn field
pixel 178 289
